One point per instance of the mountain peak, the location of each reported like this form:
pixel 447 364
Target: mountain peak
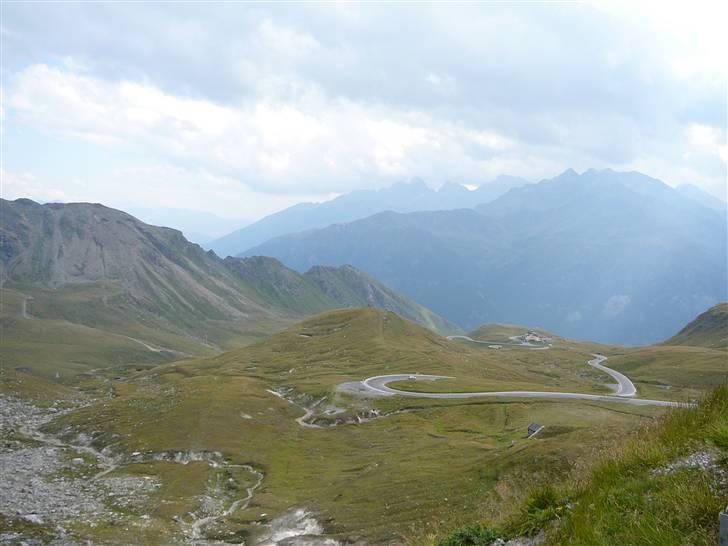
pixel 569 173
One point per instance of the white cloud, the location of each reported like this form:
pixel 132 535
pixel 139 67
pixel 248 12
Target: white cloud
pixel 156 186
pixel 707 140
pixel 285 43
pixel 691 35
pixel 304 98
pixel 322 143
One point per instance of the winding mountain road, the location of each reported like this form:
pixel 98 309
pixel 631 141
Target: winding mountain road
pixel 624 386
pixel 624 390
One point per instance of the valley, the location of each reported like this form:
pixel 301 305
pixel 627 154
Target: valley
pixel 201 428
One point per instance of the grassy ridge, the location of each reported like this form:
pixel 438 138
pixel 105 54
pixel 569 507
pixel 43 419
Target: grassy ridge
pixel 318 354
pixel 710 329
pixel 675 372
pixel 280 287
pixel 350 287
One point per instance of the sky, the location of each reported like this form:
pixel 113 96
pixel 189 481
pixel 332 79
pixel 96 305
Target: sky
pixel 242 109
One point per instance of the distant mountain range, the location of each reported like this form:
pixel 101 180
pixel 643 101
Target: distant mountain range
pixel 410 197
pixel 614 257
pixel 103 268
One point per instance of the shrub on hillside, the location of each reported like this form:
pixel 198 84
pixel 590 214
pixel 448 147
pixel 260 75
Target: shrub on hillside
pixel 475 535
pixel 542 506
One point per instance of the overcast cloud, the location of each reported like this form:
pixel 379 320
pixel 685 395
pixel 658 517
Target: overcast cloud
pixel 242 109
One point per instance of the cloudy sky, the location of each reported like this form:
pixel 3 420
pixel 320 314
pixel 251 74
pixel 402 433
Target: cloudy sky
pixel 243 109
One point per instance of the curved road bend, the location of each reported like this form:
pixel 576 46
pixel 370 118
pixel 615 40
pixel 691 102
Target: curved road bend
pixel 624 389
pixel 624 386
pixel 379 385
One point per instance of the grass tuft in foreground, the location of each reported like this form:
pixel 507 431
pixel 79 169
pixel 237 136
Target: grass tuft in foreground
pixel 665 487
pixel 475 535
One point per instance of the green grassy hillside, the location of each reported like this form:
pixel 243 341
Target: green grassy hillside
pixel 666 485
pixel 347 345
pixel 280 287
pixel 344 472
pixel 710 329
pixel 663 371
pixel 349 287
pixel 438 463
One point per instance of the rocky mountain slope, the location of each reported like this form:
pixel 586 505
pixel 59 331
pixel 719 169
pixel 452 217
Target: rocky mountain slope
pixel 325 288
pixel 102 268
pixel 60 245
pixel 614 257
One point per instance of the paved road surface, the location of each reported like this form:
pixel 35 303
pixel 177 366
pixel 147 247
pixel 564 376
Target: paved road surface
pixel 624 386
pixel 379 385
pixel 624 389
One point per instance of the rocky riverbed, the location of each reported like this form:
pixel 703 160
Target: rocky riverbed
pixel 65 492
pixel 51 487
pixel 47 484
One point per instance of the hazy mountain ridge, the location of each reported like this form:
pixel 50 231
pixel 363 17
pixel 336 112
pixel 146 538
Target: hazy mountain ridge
pixel 402 197
pixel 615 257
pixel 702 197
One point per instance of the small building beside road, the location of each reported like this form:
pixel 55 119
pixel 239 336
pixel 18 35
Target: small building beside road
pixel 533 429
